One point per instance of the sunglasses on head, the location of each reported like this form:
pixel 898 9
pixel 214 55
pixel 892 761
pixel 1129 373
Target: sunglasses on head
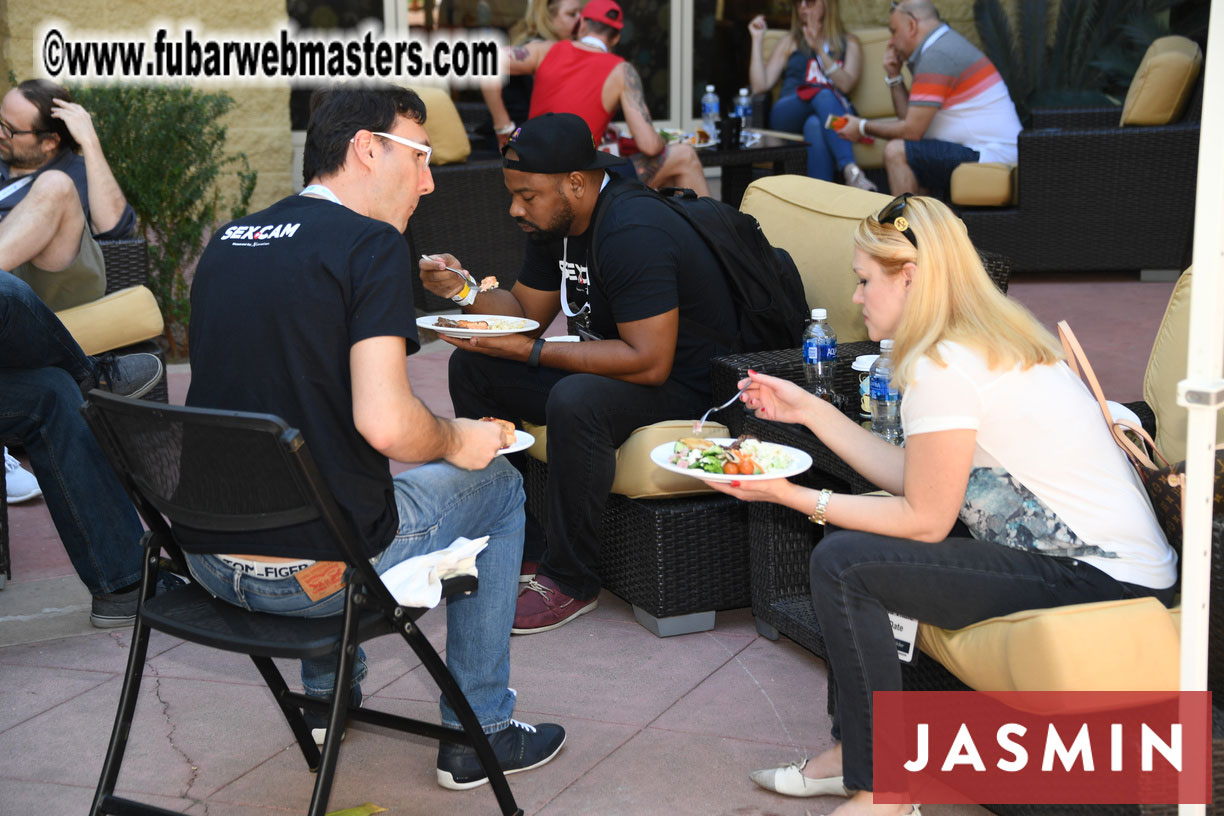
pixel 892 214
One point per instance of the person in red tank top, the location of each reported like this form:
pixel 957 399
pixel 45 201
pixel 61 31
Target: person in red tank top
pixel 586 79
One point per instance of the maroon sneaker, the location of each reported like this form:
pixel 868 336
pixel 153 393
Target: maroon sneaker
pixel 543 606
pixel 528 571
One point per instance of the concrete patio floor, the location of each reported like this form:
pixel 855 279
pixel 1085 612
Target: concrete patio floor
pixel 655 726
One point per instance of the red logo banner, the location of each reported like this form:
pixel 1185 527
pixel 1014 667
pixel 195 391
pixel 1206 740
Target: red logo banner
pixel 1047 747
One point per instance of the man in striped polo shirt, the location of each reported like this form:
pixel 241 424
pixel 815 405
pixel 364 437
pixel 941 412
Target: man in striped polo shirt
pixel 957 111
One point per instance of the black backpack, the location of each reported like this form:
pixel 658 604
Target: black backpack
pixel 770 304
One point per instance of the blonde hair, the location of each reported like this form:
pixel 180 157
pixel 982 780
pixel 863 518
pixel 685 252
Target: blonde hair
pixel 950 295
pixel 832 29
pixel 535 23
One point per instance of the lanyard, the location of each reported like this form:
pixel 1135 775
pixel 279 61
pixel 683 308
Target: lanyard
pixel 322 192
pixel 930 40
pixel 15 186
pixel 586 307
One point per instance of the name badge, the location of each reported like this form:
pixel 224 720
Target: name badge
pixel 905 633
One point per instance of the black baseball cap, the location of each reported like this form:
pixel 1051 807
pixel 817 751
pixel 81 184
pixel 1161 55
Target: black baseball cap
pixel 555 143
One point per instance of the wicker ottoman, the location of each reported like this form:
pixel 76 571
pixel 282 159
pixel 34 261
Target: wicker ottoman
pixel 676 561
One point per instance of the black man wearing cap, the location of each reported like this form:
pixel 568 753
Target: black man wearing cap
pixel 638 366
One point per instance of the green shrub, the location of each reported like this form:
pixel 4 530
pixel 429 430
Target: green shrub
pixel 1096 49
pixel 166 147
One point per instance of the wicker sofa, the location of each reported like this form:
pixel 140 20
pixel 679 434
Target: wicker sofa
pixel 1098 188
pixel 124 320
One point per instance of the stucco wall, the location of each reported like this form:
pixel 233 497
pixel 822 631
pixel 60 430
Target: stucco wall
pixel 958 13
pixel 258 125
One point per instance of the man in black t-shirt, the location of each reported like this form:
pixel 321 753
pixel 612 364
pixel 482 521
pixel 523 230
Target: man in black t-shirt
pixel 641 365
pixel 305 310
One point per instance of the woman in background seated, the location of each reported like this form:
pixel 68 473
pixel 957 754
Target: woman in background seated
pixel 819 63
pixel 999 432
pixel 546 20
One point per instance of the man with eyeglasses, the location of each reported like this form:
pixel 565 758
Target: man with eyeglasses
pixel 305 310
pixel 52 200
pixel 57 195
pixel 958 109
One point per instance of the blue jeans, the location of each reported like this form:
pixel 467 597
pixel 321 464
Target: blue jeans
pixel 42 370
pixel 437 503
pixel 828 153
pixel 858 578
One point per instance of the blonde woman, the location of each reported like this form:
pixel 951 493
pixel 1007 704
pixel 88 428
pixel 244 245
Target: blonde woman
pixel 545 21
pixel 998 432
pixel 819 64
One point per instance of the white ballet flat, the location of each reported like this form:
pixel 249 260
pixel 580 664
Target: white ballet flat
pixel 789 780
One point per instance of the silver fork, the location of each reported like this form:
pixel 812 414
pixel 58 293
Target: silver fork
pixel 699 423
pixel 471 281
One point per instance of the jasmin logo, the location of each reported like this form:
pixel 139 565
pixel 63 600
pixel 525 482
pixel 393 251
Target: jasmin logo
pixel 1112 747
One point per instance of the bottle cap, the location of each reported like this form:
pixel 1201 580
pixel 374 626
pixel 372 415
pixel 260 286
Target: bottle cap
pixel 886 345
pixel 743 91
pixel 709 89
pixel 819 314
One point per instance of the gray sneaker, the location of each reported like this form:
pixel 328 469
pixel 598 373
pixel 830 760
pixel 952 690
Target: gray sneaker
pixel 132 375
pixel 855 177
pixel 113 610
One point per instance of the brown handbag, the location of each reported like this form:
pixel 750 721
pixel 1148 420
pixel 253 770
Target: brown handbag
pixel 1163 482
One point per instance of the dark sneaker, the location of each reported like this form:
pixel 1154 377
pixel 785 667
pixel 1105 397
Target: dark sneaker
pixel 543 606
pixel 132 375
pixel 316 721
pixel 518 747
pixel 115 609
pixel 527 572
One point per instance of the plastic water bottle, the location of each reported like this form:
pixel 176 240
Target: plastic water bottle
pixel 820 355
pixel 743 106
pixel 885 398
pixel 709 111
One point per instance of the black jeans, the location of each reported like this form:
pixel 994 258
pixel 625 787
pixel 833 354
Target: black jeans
pixel 858 578
pixel 588 417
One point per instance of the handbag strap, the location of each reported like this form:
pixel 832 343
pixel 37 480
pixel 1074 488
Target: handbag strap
pixel 1077 360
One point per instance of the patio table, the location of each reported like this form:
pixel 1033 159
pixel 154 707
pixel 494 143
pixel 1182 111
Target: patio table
pixel 786 156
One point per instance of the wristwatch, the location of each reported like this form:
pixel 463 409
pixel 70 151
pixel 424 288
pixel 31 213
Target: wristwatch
pixel 893 82
pixel 533 361
pixel 822 504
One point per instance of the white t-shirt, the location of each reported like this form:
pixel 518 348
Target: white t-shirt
pixel 1043 427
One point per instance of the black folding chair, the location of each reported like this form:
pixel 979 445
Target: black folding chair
pixel 230 472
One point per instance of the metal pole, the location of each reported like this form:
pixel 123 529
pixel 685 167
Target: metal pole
pixel 1202 392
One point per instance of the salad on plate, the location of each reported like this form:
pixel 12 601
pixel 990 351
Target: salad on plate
pixel 747 456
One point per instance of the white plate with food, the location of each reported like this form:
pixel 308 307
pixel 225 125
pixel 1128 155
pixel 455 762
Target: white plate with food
pixel 522 441
pixel 474 325
pixel 699 139
pixel 699 458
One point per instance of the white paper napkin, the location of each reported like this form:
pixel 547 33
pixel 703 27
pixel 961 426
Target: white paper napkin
pixel 417 582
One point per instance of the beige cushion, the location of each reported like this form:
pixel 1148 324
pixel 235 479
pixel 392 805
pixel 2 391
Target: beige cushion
pixel 636 476
pixel 447 135
pixel 871 97
pixel 1129 645
pixel 984 184
pixel 872 155
pixel 119 319
pixel 1161 87
pixel 1166 368
pixel 815 221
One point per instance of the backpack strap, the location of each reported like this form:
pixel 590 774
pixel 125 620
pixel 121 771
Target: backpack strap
pixel 667 196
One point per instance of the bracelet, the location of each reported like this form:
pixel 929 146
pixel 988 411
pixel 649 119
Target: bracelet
pixel 466 296
pixel 862 128
pixel 533 361
pixel 504 130
pixel 893 82
pixel 822 503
